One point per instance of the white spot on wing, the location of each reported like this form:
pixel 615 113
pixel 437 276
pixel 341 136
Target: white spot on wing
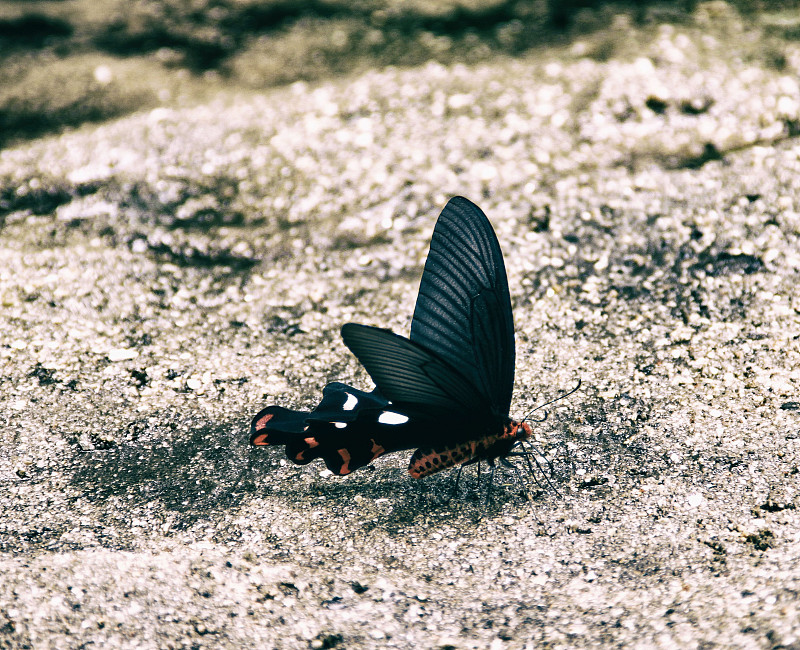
pixel 350 403
pixel 389 417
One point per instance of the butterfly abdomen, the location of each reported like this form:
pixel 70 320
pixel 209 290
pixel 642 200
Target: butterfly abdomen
pixel 427 461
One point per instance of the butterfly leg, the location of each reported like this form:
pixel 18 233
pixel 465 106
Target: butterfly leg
pixel 518 474
pixel 527 455
pixel 458 478
pixel 538 451
pixel 489 488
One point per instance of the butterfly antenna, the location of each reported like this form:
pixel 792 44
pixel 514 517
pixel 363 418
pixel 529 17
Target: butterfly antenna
pixel 555 399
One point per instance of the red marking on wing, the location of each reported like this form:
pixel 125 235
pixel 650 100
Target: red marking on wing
pixel 377 450
pixel 300 456
pixel 261 439
pixel 344 469
pixel 262 422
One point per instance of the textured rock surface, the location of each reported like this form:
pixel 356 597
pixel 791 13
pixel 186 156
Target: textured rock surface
pixel 164 276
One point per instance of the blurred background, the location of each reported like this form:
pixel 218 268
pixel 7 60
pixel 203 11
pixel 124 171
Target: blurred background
pixel 66 62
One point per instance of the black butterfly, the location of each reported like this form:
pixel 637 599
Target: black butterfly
pixel 445 391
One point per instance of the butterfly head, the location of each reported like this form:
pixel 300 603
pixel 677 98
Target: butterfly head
pixel 519 430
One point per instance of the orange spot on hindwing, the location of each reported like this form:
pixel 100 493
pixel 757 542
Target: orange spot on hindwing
pixel 377 450
pixel 300 456
pixel 260 436
pixel 262 422
pixel 344 469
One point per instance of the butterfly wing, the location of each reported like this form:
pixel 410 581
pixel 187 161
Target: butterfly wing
pixel 276 425
pixel 348 429
pixel 447 384
pixel 463 312
pixel 415 380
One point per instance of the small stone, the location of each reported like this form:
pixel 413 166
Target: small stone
pixel 694 500
pixel 122 354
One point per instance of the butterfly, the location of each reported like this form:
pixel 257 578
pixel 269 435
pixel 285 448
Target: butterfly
pixel 445 391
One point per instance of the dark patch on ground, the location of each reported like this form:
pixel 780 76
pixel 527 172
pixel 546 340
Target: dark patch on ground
pixel 696 106
pixel 188 468
pixel 46 376
pixel 207 37
pixel 657 105
pixel 709 154
pixel 771 505
pixel 31 116
pixel 42 200
pixel 324 640
pixel 186 205
pixel 201 256
pixel 191 219
pixel 203 36
pixel 716 263
pixel 762 540
pixel 32 31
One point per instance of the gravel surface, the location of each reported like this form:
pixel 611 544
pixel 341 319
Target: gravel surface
pixel 165 276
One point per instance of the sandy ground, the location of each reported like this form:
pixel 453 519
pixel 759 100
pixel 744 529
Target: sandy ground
pixel 165 276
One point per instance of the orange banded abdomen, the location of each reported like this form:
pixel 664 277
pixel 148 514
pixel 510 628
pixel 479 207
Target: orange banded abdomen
pixel 427 461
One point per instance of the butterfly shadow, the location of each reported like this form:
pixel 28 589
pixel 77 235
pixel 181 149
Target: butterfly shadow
pixel 173 473
pixel 169 471
pixel 384 496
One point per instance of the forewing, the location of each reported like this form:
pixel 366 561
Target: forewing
pixel 415 379
pixel 463 311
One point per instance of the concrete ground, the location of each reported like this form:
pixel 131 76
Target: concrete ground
pixel 166 275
